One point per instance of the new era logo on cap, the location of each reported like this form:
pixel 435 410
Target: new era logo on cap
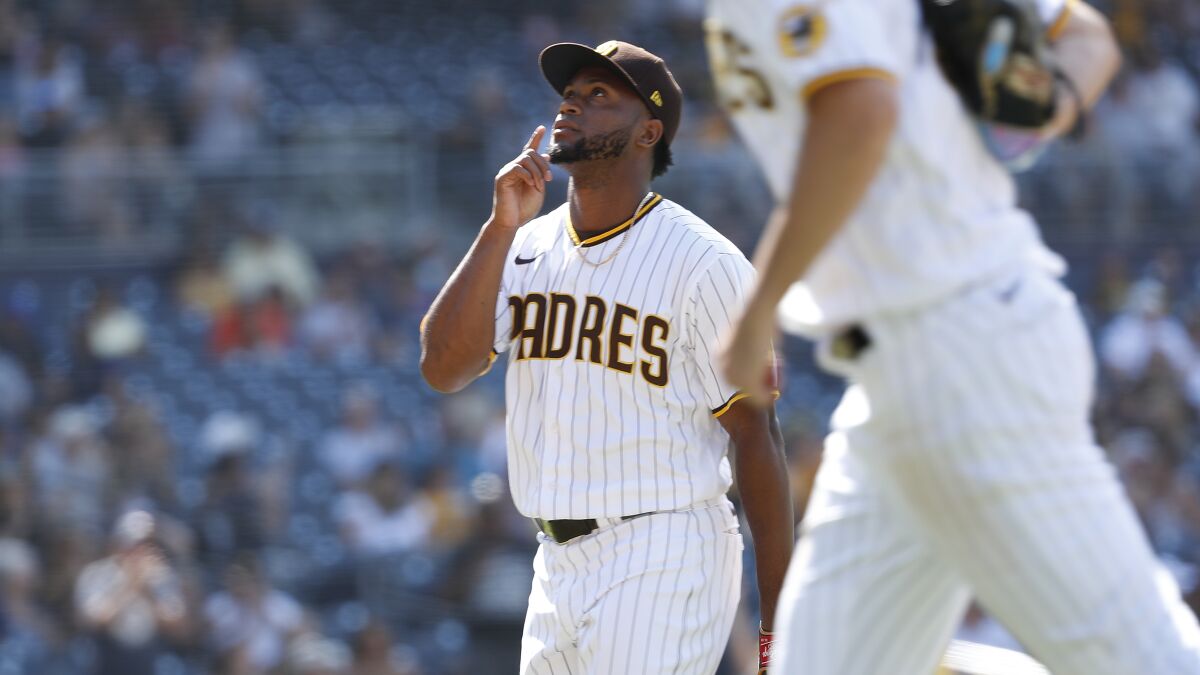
pixel 608 48
pixel 657 98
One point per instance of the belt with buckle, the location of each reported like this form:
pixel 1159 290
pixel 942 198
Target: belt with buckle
pixel 563 530
pixel 849 344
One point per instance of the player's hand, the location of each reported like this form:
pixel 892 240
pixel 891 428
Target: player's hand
pixel 521 185
pixel 766 650
pixel 745 355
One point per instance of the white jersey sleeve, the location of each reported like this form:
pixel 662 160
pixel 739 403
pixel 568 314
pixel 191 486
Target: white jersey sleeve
pixel 1054 14
pixel 822 43
pixel 710 311
pixel 504 315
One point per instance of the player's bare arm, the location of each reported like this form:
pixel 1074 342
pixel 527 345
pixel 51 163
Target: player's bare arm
pixel 762 481
pixel 458 330
pixel 1088 55
pixel 850 125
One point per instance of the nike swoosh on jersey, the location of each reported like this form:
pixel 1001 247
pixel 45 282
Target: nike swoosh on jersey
pixel 526 261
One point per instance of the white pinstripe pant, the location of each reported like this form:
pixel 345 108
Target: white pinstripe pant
pixel 962 461
pixel 656 594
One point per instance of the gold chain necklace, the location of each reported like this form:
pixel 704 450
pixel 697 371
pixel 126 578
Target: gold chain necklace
pixel 624 236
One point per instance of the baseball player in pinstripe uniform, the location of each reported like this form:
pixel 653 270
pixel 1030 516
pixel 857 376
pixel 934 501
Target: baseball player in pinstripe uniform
pixel 961 459
pixel 607 310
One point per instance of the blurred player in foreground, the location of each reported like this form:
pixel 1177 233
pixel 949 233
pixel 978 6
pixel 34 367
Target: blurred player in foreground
pixel 609 308
pixel 961 458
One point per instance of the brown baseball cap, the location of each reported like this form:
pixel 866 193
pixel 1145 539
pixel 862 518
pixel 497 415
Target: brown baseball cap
pixel 645 72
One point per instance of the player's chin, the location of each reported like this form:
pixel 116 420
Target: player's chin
pixel 562 154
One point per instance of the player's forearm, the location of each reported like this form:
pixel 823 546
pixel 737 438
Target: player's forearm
pixel 458 331
pixel 762 478
pixel 1087 52
pixel 850 127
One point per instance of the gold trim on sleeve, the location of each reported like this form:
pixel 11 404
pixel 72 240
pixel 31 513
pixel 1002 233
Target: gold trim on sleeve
pixel 1060 22
pixel 845 76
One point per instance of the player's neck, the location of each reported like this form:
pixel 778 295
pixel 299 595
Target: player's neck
pixel 597 207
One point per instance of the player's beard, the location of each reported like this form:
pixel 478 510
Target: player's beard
pixel 610 145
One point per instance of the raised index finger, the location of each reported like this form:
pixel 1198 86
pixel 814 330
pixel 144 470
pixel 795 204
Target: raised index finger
pixel 536 139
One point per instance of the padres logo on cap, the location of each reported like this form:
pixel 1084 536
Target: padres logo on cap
pixel 657 98
pixel 608 48
pixel 801 31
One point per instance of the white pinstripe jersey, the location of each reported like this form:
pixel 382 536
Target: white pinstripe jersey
pixel 940 215
pixel 611 394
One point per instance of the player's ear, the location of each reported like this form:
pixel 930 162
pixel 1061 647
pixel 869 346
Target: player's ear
pixel 652 130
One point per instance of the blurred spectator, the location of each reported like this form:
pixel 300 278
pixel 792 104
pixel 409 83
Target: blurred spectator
pixel 107 337
pixel 1111 288
pixel 16 504
pixel 93 186
pixel 49 89
pixel 309 22
pixel 12 157
pixel 229 521
pixel 262 259
pixel 374 653
pixel 27 632
pixel 1158 402
pixel 17 338
pixel 250 622
pixel 71 469
pixel 1166 97
pixel 16 391
pixel 10 34
pixel 375 277
pixel 158 189
pixel 385 517
pixel 65 554
pixel 225 99
pixel 350 451
pixel 337 327
pixel 493 566
pixel 1161 128
pixel 452 512
pixel 260 327
pixel 1144 330
pixel 131 601
pixel 1129 22
pixel 312 654
pixel 142 453
pixel 267 325
pixel 12 166
pixel 1168 267
pixel 201 287
pixel 112 332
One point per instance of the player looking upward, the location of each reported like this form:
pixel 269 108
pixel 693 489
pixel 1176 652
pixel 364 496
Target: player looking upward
pixel 607 310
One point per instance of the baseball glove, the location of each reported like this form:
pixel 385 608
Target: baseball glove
pixel 994 53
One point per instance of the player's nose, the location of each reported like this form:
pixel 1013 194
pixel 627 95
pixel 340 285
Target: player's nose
pixel 569 105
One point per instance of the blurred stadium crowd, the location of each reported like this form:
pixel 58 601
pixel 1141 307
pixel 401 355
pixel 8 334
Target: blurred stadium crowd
pixel 217 455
